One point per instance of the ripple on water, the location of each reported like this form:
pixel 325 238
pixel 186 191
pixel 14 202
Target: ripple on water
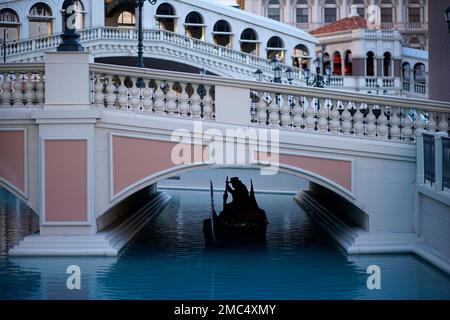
pixel 168 260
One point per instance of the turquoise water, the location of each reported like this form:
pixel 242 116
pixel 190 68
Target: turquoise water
pixel 168 260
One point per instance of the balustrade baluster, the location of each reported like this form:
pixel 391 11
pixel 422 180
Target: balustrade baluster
pixel 358 119
pixel 407 126
pixel 183 106
pixel 135 93
pixel 443 124
pixel 110 93
pixel 274 111
pixel 322 122
pixel 371 127
pixel 171 97
pixel 40 89
pixel 383 128
pixel 297 111
pixel 6 90
pixel 285 111
pixel 310 113
pixel 335 123
pixel 262 110
pixel 431 125
pixel 394 121
pixel 196 108
pixel 18 94
pixel 208 104
pixel 347 118
pixel 122 94
pixel 29 90
pixel 99 96
pixel 147 94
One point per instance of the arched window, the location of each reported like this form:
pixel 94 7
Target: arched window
pixel 330 11
pixel 406 71
pixel 166 17
pixel 126 19
pixel 275 48
pixel 222 33
pixel 194 26
pixel 273 10
pixel 337 64
pixel 80 12
pixel 249 41
pixel 301 56
pixel 302 14
pixel 419 73
pixel 41 20
pixel 387 64
pixel 348 63
pixel 9 21
pixel 370 64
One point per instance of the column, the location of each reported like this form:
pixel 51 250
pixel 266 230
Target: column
pixel 438 156
pixel 67 135
pixel 287 12
pixel 96 14
pixel 420 175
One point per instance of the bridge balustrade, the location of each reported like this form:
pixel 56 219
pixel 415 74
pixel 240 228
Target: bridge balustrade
pixel 296 108
pixel 22 85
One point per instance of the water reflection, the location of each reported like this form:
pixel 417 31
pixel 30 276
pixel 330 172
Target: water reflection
pixel 168 260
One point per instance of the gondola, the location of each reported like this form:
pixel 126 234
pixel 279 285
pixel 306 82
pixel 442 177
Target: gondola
pixel 219 231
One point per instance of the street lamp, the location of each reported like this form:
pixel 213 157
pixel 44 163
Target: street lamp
pixel 447 17
pixel 274 63
pixel 258 75
pixel 70 37
pixel 319 80
pixel 290 74
pixel 140 4
pixel 277 74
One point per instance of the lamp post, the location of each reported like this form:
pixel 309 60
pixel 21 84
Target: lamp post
pixel 447 17
pixel 140 4
pixel 70 37
pixel 319 80
pixel 4 45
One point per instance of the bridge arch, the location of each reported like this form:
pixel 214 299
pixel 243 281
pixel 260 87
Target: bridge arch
pixel 310 176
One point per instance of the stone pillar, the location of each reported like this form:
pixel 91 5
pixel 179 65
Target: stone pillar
pixel 288 12
pixel 66 147
pixel 438 156
pixel 97 16
pixel 420 175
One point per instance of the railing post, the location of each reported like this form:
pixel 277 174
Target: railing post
pixel 420 175
pixel 438 168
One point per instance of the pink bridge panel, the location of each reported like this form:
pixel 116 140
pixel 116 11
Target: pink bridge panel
pixel 136 158
pixel 66 180
pixel 12 158
pixel 338 171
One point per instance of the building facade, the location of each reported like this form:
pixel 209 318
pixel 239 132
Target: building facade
pixel 407 16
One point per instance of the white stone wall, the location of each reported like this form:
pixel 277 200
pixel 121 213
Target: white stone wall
pixel 435 222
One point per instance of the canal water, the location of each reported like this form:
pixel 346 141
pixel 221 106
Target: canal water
pixel 168 260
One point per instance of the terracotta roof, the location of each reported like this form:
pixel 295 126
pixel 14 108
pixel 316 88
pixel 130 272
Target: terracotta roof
pixel 350 23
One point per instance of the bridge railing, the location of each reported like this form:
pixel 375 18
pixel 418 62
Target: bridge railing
pixel 22 85
pixel 117 88
pixel 51 42
pixel 289 107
